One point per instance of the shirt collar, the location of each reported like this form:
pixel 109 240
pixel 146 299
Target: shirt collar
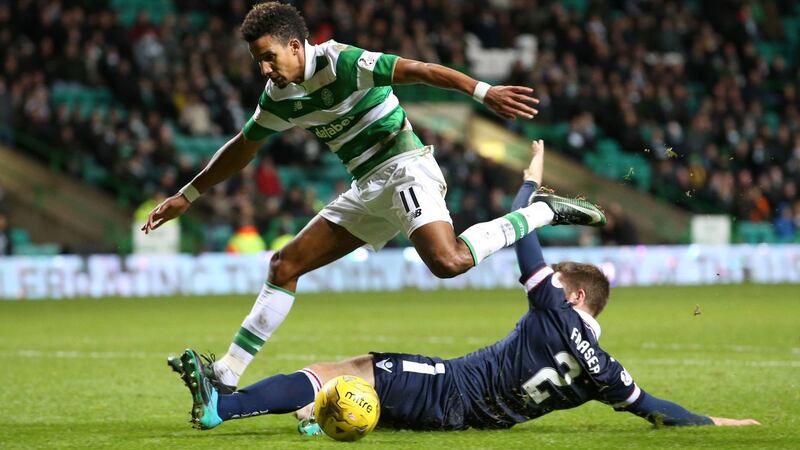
pixel 590 321
pixel 311 61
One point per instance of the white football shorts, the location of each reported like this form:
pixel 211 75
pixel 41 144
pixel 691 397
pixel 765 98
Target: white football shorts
pixel 402 194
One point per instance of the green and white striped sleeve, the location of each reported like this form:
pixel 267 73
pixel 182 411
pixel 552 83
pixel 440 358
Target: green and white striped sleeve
pixel 366 69
pixel 263 123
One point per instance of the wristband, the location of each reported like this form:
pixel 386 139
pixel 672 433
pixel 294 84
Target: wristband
pixel 190 192
pixel 480 91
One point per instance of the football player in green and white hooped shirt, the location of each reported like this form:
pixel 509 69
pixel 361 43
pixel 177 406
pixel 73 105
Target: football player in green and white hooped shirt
pixel 343 95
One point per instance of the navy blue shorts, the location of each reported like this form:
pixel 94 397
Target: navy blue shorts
pixel 417 393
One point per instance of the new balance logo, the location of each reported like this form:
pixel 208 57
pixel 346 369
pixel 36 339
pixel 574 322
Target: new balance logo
pixel 385 365
pixel 414 214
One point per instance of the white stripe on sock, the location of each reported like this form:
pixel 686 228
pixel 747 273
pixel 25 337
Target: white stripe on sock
pixel 316 383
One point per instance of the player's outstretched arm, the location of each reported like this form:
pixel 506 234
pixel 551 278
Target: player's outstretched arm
pixel 509 102
pixel 663 412
pixel 228 160
pixel 723 422
pixel 536 167
pixel 528 249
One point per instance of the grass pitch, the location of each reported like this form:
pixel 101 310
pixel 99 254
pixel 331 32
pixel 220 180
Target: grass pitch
pixel 92 373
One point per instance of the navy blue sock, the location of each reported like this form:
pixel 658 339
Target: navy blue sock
pixel 529 251
pixel 277 394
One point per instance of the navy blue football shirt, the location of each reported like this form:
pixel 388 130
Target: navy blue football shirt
pixel 550 361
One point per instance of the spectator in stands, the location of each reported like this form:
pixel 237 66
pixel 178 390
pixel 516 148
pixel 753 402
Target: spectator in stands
pixel 619 229
pixel 295 204
pixel 6 114
pixel 469 212
pixel 6 244
pixel 246 239
pixel 784 224
pixel 284 232
pixel 267 178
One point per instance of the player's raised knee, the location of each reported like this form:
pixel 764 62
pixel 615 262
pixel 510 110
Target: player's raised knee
pixel 282 269
pixel 445 265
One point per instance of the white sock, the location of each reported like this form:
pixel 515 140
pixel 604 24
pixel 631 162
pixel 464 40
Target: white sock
pixel 484 239
pixel 272 306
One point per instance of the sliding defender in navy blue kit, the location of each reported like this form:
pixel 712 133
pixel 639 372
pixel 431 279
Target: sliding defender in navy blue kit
pixel 551 360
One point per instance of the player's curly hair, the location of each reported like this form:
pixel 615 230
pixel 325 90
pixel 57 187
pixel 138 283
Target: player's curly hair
pixel 278 20
pixel 588 277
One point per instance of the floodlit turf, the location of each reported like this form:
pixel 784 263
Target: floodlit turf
pixel 92 373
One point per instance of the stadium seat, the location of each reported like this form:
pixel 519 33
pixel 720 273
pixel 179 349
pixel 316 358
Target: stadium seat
pixel 19 237
pixel 21 241
pixel 755 232
pixel 558 235
pixel 579 6
pixel 128 10
pixel 84 100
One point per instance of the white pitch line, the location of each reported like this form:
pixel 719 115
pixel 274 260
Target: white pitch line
pixel 736 348
pixel 383 339
pixel 72 354
pixel 715 362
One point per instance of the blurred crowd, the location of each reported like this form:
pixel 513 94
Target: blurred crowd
pixel 694 92
pixel 6 242
pixel 718 119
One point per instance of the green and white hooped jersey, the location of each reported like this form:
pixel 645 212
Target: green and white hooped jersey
pixel 346 100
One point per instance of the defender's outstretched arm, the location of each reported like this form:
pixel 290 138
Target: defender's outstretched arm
pixel 663 412
pixel 528 249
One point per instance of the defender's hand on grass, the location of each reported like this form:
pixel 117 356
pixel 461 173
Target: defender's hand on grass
pixel 169 209
pixel 723 422
pixel 511 102
pixel 536 167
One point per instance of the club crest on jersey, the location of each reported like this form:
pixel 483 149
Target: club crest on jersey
pixel 297 106
pixel 327 97
pixel 368 60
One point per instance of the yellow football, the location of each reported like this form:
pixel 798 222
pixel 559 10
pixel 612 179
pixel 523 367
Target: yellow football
pixel 347 408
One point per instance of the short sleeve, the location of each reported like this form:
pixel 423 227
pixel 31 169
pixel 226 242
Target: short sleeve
pixel 263 122
pixel 544 290
pixel 366 69
pixel 615 385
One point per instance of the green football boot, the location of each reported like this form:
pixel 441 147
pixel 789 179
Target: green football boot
pixel 309 427
pixel 204 394
pixel 176 365
pixel 570 211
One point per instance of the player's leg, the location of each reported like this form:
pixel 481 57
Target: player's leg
pixel 421 211
pixel 360 366
pixel 425 219
pixel 444 254
pixel 319 243
pixel 278 394
pixel 447 255
pixel 415 391
pixel 285 393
